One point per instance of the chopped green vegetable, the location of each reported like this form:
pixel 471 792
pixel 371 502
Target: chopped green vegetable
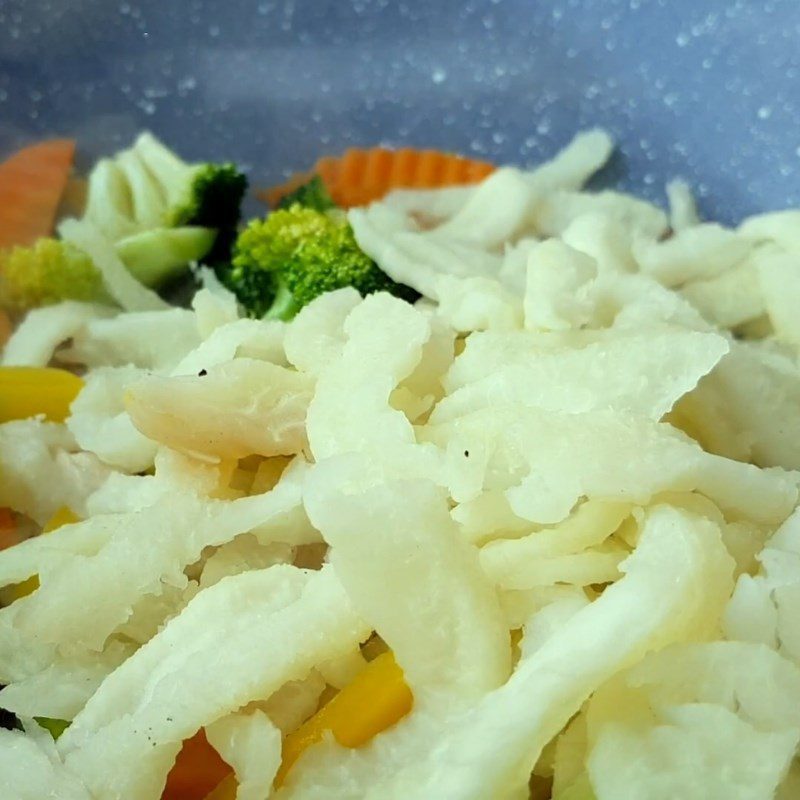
pixel 46 273
pixel 203 194
pixel 157 256
pixel 149 188
pixel 313 194
pixel 283 262
pixel 54 726
pixel 52 270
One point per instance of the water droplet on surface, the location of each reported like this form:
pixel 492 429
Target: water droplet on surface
pixel 187 84
pixel 439 75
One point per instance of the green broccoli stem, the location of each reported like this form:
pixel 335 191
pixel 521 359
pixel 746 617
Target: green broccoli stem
pixel 158 256
pixel 284 306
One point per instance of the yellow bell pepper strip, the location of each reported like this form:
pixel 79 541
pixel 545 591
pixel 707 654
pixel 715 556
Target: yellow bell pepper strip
pixel 28 391
pixel 64 516
pixel 377 698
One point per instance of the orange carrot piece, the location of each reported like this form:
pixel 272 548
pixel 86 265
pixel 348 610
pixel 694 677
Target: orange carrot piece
pixel 5 327
pixel 197 771
pixel 225 790
pixel 31 184
pixel 9 535
pixel 360 176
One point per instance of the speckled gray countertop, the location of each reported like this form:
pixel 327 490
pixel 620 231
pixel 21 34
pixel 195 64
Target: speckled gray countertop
pixel 705 90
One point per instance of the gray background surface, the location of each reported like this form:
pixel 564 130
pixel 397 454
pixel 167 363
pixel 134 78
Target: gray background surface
pixel 704 90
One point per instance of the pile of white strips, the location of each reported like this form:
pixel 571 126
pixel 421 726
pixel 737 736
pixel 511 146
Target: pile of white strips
pixel 588 429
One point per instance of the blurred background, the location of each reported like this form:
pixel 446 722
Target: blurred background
pixel 706 90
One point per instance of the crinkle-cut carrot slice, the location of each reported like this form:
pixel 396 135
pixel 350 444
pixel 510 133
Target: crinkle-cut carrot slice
pixel 361 176
pixel 32 181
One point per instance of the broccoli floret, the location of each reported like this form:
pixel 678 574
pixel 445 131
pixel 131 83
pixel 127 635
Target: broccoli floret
pixel 148 187
pixel 323 264
pixel 296 254
pixel 267 244
pixel 209 195
pixel 46 273
pixel 53 270
pixel 312 194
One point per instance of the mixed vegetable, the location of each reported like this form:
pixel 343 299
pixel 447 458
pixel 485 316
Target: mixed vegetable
pixel 161 216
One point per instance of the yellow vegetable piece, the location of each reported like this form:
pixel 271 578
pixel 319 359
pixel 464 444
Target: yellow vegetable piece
pixel 27 391
pixel 226 789
pixel 377 698
pixel 64 516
